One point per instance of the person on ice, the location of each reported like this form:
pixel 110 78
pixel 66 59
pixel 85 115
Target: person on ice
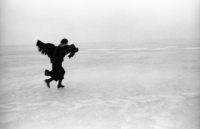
pixel 56 55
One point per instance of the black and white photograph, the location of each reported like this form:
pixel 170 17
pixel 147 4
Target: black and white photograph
pixel 99 64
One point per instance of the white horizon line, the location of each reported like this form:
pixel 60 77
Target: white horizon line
pixel 138 49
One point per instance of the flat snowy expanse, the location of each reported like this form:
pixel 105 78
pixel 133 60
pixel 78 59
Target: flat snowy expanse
pixel 105 89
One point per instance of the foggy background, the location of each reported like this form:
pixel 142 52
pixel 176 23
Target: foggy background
pixel 138 65
pixel 100 23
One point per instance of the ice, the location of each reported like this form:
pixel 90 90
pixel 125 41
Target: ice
pixel 156 88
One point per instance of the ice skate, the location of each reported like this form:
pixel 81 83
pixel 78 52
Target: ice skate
pixel 47 81
pixel 60 86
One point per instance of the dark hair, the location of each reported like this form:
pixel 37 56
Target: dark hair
pixel 64 41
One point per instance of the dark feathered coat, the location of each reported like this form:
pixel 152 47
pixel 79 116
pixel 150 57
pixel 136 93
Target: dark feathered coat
pixel 56 55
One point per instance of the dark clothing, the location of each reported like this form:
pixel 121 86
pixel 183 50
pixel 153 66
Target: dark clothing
pixel 56 55
pixel 57 72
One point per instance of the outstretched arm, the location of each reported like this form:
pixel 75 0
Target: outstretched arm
pixel 73 50
pixel 70 49
pixel 45 48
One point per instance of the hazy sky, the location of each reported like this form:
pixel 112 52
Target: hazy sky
pixel 98 22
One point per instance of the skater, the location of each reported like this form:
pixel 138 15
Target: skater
pixel 56 55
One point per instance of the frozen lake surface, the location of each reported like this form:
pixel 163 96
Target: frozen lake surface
pixel 105 89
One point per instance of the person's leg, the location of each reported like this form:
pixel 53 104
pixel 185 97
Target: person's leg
pixel 62 73
pixel 60 84
pixel 48 81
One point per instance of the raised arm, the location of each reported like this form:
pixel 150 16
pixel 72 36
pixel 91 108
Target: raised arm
pixel 45 48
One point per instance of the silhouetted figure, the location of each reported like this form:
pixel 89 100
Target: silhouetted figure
pixel 56 55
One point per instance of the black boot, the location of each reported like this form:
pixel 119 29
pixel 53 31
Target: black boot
pixel 60 86
pixel 47 81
